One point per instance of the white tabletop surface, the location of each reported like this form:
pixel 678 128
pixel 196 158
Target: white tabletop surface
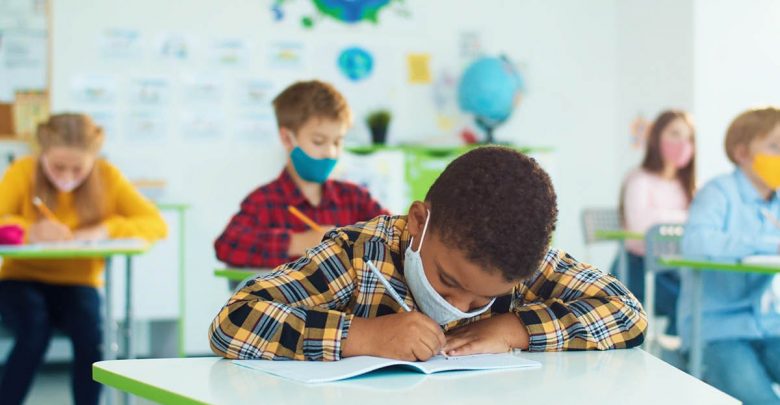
pixel 618 376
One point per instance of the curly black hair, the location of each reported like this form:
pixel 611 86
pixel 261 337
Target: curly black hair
pixel 498 206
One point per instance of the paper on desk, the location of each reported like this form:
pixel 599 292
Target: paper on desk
pixel 327 371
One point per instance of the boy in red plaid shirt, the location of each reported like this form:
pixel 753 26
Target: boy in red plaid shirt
pixel 313 118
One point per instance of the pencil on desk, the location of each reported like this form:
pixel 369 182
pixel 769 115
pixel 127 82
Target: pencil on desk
pixel 306 220
pixel 38 203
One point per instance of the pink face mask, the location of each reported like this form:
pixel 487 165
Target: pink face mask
pixel 678 152
pixel 63 185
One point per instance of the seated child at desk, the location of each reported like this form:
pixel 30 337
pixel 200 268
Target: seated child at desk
pixel 313 118
pixel 659 192
pixel 472 270
pixel 733 216
pixel 79 197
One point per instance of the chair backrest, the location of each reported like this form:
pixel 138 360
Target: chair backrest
pixel 662 240
pixel 599 219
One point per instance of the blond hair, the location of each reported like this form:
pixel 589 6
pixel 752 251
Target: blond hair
pixel 750 125
pixel 310 99
pixel 76 131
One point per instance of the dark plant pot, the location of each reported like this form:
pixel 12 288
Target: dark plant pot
pixel 379 136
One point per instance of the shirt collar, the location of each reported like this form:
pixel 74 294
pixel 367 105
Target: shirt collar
pixel 292 194
pixel 748 191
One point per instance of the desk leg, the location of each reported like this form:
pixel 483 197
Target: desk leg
pixel 128 335
pixel 128 329
pixel 696 343
pixel 623 263
pixel 649 304
pixel 109 345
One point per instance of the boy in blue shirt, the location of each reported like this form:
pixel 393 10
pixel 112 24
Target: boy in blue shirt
pixel 733 216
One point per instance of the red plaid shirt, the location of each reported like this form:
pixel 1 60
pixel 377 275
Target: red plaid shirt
pixel 259 234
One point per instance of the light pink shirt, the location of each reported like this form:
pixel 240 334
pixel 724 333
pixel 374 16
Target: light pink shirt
pixel 649 199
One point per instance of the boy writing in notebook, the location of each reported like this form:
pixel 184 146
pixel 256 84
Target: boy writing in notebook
pixel 472 262
pixel 734 216
pixel 313 118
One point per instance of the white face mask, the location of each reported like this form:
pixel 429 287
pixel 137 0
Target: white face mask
pixel 430 302
pixel 65 186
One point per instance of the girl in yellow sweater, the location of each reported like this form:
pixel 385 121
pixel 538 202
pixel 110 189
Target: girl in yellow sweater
pixel 91 200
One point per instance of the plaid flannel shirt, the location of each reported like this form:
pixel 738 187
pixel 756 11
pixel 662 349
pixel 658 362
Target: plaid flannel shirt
pixel 303 310
pixel 259 234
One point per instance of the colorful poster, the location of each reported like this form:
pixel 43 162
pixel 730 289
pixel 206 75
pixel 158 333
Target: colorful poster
pixel 419 69
pixel 201 124
pixel 286 55
pixel 255 93
pixel 230 52
pixel 256 127
pixel 120 43
pixel 145 125
pixel 149 91
pixel 174 46
pixel 94 89
pixel 205 88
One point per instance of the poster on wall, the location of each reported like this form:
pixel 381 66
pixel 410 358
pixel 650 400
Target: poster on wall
pixel 286 55
pixel 173 46
pixel 202 124
pixel 145 125
pixel 149 92
pixel 202 88
pixel 120 43
pixel 230 52
pixel 93 89
pixel 22 61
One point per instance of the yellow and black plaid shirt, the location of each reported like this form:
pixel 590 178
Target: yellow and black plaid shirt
pixel 303 309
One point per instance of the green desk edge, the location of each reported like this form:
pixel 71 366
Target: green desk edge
pixel 440 151
pixel 236 274
pixel 734 267
pixel 619 235
pixel 71 254
pixel 138 388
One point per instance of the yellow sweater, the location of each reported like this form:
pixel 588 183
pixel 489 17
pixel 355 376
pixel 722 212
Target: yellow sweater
pixel 129 215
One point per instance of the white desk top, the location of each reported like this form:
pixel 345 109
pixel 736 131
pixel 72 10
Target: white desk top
pixel 619 376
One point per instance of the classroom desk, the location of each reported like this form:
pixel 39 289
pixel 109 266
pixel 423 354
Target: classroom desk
pixel 621 237
pixel 617 376
pixel 95 251
pixel 697 266
pixel 238 274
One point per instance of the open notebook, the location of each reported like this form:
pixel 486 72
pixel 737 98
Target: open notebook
pixel 327 371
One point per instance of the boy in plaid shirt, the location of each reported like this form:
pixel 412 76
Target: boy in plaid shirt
pixel 473 263
pixel 313 118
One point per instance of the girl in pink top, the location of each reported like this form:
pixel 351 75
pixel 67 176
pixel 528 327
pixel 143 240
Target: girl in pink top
pixel 659 191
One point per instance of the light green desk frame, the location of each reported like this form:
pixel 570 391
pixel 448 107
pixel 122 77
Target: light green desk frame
pixel 181 211
pixel 621 237
pixel 697 266
pixel 237 274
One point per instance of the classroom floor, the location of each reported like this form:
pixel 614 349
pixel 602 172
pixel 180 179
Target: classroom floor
pixel 52 386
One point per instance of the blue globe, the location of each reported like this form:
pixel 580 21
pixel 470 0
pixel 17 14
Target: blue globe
pixel 490 89
pixel 356 63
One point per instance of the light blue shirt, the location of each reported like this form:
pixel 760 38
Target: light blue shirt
pixel 726 223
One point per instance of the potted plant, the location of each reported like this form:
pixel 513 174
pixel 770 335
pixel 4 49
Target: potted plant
pixel 378 122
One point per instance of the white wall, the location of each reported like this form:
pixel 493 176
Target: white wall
pixel 736 67
pixel 568 50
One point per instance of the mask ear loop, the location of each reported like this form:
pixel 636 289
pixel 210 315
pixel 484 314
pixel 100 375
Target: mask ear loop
pixel 422 237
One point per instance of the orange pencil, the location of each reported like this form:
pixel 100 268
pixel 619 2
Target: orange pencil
pixel 38 203
pixel 306 220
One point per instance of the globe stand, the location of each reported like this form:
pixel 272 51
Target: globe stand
pixel 488 127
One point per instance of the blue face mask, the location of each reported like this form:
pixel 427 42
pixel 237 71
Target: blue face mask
pixel 309 168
